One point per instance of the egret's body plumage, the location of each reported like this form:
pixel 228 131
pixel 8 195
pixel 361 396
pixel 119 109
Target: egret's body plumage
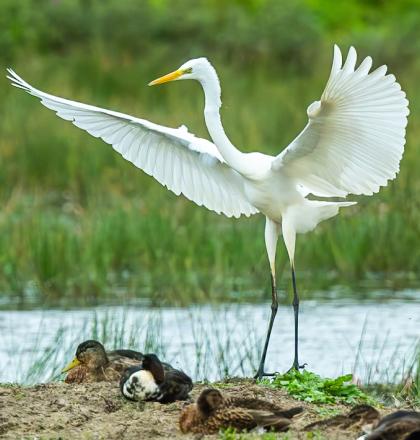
pixel 352 144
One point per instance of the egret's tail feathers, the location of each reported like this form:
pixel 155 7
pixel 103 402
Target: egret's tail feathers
pixel 304 217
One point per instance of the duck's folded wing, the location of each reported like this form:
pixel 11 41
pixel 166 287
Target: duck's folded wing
pixel 174 157
pixel 339 420
pixel 355 137
pixel 269 420
pixel 132 354
pixel 251 403
pixel 176 386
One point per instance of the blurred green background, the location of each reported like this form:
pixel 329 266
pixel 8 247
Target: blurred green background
pixel 79 224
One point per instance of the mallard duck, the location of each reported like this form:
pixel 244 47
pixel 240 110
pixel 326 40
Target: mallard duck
pixel 154 380
pixel 357 417
pixel 400 425
pixel 93 364
pixel 212 412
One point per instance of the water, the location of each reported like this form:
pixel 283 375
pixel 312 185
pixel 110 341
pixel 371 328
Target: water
pixel 375 339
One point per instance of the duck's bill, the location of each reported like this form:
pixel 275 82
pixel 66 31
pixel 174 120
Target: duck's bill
pixel 166 78
pixel 74 363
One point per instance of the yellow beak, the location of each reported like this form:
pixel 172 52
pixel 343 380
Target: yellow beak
pixel 74 363
pixel 166 78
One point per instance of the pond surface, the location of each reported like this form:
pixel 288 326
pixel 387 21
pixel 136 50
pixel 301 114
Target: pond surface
pixel 376 339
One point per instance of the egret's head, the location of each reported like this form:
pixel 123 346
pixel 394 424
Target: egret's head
pixel 198 69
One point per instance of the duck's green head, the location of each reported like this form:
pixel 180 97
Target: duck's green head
pixel 91 354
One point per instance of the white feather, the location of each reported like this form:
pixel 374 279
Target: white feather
pixel 141 385
pixel 355 136
pixel 174 157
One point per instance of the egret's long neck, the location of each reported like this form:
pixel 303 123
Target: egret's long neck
pixel 212 92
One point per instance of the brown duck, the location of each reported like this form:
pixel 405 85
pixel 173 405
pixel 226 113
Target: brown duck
pixel 357 417
pixel 93 364
pixel 213 412
pixel 400 425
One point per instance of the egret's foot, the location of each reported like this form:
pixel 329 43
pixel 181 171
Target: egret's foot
pixel 260 374
pixel 297 367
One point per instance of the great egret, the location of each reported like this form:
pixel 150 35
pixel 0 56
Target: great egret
pixel 353 143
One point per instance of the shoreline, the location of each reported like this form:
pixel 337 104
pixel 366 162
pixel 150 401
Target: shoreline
pixel 97 410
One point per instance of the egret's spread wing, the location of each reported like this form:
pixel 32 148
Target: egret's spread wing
pixel 174 157
pixel 355 136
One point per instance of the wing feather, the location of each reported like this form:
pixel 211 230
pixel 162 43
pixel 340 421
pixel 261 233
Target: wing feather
pixel 355 137
pixel 174 157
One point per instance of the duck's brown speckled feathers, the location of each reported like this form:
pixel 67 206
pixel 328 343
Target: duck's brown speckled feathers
pixel 240 418
pixel 213 412
pixel 265 405
pixel 110 372
pixel 400 425
pixel 78 374
pixel 357 417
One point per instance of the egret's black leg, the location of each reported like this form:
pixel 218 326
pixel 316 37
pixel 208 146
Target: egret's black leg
pixel 274 306
pixel 296 365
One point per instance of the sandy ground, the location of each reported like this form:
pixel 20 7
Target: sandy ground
pixel 98 411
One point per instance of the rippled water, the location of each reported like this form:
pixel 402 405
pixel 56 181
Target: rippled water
pixel 376 338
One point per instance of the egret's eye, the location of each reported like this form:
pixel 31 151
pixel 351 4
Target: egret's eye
pixel 189 70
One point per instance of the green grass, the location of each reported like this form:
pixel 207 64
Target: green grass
pixel 310 387
pixel 406 390
pixel 213 354
pixel 327 412
pixel 232 434
pixel 315 435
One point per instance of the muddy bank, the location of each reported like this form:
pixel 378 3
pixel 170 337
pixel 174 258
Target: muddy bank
pixel 98 411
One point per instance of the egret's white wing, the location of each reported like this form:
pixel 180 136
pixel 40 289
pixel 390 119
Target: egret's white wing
pixel 355 136
pixel 174 157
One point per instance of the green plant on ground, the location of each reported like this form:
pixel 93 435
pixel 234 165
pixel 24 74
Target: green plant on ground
pixel 315 435
pixel 327 412
pixel 312 388
pixel 233 434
